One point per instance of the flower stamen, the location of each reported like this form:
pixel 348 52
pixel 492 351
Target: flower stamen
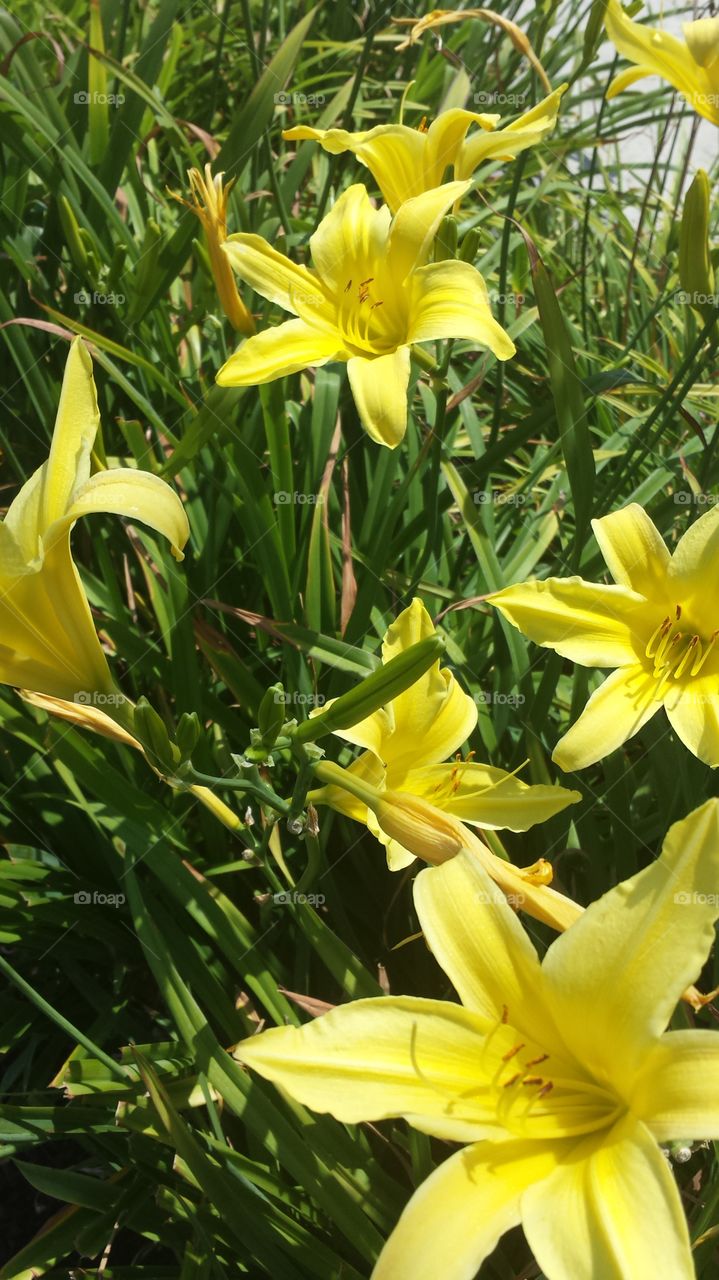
pixel 512 1052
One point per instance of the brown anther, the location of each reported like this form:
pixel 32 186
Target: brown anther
pixel 512 1052
pixel 533 1080
pixel 534 1062
pixel 547 1089
pixel 369 280
pixel 376 304
pixel 508 1083
pixel 679 612
pixel 505 1014
pixel 348 286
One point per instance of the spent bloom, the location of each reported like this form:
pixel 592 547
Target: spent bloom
pixel 371 295
pixel 209 203
pixel 691 66
pixel 657 625
pixel 560 1078
pixel 406 745
pixel 48 641
pixel 406 162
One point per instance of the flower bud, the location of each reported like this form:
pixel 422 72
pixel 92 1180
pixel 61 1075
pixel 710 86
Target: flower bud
pixel 209 203
pixel 423 830
pixel 385 684
pixel 445 244
pixel 696 274
pixel 271 715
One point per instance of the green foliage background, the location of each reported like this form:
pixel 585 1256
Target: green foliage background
pixel 172 1162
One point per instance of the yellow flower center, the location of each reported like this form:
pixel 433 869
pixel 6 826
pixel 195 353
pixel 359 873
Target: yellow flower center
pixel 366 316
pixel 537 1095
pixel 676 651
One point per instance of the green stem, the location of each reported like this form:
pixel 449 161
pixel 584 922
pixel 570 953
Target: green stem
pixel 250 785
pixel 335 776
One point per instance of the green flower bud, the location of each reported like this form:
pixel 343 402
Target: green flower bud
pixel 386 683
pixel 445 244
pixel 271 715
pixel 470 245
pixel 696 273
pixel 151 731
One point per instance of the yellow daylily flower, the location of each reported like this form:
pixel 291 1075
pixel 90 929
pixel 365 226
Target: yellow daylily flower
pixel 371 295
pixel 47 637
pixel 407 742
pixel 657 626
pixel 691 67
pixel 209 203
pixel 406 162
pixel 561 1076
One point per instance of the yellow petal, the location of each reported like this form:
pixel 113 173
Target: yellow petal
pixel 393 153
pixel 677 1092
pixel 634 550
pixel 393 1056
pixel 481 945
pixel 431 719
pixel 450 300
pixel 455 1218
pixel 692 568
pixel 616 711
pixel 444 140
pixel 397 856
pixel 530 129
pixel 276 352
pixel 415 226
pixel 702 37
pixel 353 232
pixel 47 637
pixel 634 951
pixel 379 388
pixel 610 1211
pixel 84 715
pixel 627 78
pixel 661 54
pixel 647 47
pixel 488 797
pixel 370 733
pixel 78 418
pixel 138 495
pixel 274 276
pixel 693 713
pixel 593 625
pixel 23 524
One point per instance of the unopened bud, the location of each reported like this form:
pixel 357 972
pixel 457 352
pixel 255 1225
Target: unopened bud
pixel 271 715
pixel 696 273
pixel 423 830
pixel 445 244
pixel 385 684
